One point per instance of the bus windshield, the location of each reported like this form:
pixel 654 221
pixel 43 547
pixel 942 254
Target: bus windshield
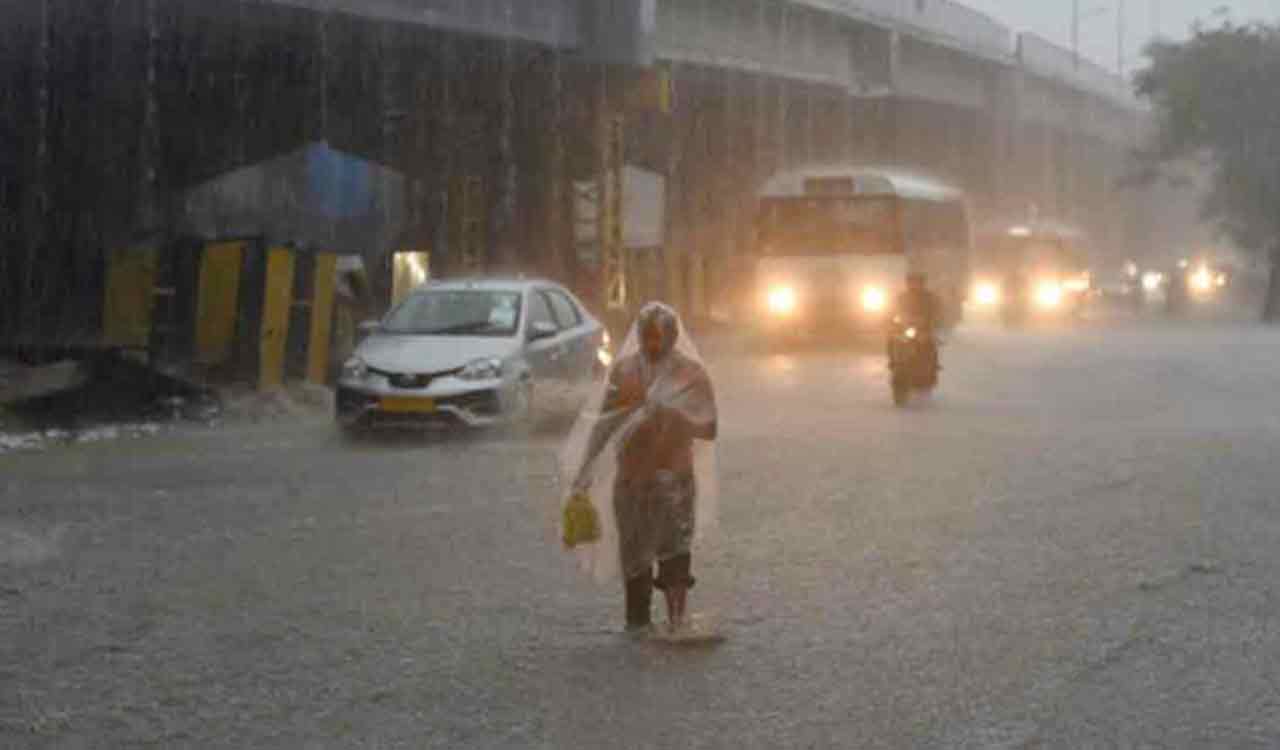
pixel 828 226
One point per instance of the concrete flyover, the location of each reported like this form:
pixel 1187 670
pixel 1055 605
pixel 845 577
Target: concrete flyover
pixel 503 118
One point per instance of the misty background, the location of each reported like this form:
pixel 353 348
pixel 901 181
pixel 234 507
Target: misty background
pixel 1099 30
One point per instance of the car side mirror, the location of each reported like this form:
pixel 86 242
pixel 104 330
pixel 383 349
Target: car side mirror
pixel 542 330
pixel 370 327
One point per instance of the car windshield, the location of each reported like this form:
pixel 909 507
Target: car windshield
pixel 457 313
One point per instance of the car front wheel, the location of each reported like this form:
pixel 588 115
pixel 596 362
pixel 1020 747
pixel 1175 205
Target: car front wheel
pixel 521 409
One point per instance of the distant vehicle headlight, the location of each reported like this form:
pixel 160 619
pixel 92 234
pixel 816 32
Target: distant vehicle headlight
pixel 987 293
pixel 1221 281
pixel 874 299
pixel 1201 280
pixel 355 369
pixel 1151 280
pixel 911 333
pixel 782 300
pixel 1049 294
pixel 482 369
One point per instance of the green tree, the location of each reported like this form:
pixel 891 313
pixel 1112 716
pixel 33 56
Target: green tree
pixel 1216 103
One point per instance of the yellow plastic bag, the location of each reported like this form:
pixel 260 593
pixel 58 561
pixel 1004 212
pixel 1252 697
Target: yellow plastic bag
pixel 581 522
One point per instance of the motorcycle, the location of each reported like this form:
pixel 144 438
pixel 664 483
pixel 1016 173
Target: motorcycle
pixel 913 361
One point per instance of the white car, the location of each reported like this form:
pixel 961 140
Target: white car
pixel 469 352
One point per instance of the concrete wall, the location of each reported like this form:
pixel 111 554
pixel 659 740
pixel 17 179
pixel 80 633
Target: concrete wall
pixel 940 75
pixel 767 36
pixel 940 21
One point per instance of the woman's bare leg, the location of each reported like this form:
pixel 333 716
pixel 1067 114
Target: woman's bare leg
pixel 677 597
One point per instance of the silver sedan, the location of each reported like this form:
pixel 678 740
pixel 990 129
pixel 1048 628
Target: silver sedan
pixel 469 352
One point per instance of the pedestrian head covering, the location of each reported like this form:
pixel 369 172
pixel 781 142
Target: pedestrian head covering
pixel 658 317
pixel 674 383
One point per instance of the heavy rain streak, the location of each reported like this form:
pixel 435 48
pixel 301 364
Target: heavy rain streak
pixel 639 374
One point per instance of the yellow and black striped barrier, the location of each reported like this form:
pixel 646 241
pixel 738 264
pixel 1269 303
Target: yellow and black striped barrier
pixel 238 309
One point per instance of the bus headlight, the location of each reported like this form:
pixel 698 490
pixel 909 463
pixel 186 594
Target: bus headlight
pixel 986 294
pixel 1048 294
pixel 782 300
pixel 874 299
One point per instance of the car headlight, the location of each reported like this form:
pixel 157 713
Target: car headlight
pixel 1201 280
pixel 911 333
pixel 987 293
pixel 355 369
pixel 488 368
pixel 604 353
pixel 1151 280
pixel 782 300
pixel 1049 294
pixel 874 299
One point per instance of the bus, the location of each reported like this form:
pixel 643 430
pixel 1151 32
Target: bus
pixel 833 246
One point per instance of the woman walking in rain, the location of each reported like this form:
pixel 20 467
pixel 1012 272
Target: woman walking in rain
pixel 642 454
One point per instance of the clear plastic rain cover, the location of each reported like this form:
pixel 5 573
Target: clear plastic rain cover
pixel 642 452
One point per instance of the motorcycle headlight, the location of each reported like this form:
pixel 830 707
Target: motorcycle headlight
pixel 874 299
pixel 1049 294
pixel 488 368
pixel 355 369
pixel 782 300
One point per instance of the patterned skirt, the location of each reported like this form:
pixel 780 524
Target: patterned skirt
pixel 656 519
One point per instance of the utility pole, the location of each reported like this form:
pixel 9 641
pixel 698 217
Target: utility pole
pixel 1075 34
pixel 1120 28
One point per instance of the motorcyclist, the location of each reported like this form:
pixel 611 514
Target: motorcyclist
pixel 920 308
pixel 1176 293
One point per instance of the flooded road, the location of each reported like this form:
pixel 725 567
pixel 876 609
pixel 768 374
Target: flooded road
pixel 1073 543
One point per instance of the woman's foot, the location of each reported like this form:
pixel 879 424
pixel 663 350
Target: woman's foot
pixel 639 631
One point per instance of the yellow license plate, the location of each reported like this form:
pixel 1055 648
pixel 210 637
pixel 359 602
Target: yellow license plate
pixel 408 405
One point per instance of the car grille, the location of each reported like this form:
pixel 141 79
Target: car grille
pixel 412 381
